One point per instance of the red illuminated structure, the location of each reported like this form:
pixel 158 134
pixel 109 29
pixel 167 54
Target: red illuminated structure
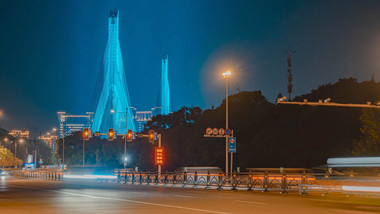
pixel 159 156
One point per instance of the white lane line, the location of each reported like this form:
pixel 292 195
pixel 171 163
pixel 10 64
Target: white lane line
pixel 144 193
pixel 351 211
pixel 331 201
pixel 184 196
pixel 127 200
pixel 251 202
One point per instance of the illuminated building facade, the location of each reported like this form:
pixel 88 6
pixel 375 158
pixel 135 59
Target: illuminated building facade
pixel 142 117
pixel 111 103
pixel 19 134
pixel 67 124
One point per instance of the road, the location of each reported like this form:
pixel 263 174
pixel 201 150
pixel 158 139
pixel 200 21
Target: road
pixel 37 196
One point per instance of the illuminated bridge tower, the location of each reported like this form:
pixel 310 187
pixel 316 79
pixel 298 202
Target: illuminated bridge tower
pixel 165 91
pixel 111 103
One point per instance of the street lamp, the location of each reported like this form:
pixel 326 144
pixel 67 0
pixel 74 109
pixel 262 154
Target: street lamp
pixel 126 132
pixel 5 140
pixel 20 141
pixel 227 75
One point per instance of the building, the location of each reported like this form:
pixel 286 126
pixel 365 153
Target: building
pixel 49 140
pixel 19 134
pixel 67 124
pixel 141 118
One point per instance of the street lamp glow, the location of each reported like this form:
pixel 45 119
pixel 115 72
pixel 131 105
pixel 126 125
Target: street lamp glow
pixel 125 159
pixel 54 129
pixel 227 74
pixel 112 111
pixel 21 140
pixel 6 139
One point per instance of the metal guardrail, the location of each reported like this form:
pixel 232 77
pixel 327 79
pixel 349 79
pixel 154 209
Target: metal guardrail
pixel 41 174
pixel 282 182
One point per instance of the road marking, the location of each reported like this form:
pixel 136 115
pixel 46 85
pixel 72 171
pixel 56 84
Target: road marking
pixel 140 202
pixel 251 202
pixel 144 193
pixel 126 200
pixel 184 196
pixel 331 201
pixel 351 211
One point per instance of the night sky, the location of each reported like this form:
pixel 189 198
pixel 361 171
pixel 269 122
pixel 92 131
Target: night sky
pixel 51 51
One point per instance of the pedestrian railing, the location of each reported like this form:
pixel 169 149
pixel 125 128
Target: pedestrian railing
pixel 283 182
pixel 42 174
pixel 259 181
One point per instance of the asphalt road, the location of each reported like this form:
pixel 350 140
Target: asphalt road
pixel 36 196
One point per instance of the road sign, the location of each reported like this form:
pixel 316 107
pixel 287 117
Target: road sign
pixel 221 131
pixel 155 136
pixel 215 131
pixel 232 144
pixel 228 131
pixel 209 131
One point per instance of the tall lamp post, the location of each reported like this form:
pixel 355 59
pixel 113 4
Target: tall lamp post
pixel 20 141
pixel 226 75
pixel 125 137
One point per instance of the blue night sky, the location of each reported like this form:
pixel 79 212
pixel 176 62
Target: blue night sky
pixel 51 51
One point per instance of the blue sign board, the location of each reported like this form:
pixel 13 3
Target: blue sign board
pixel 228 131
pixel 232 144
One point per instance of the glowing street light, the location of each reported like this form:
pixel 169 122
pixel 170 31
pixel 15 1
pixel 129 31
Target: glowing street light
pixel 5 140
pixel 227 74
pixel 112 111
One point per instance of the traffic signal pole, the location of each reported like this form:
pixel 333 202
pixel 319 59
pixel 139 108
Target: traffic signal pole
pixel 83 153
pixel 125 141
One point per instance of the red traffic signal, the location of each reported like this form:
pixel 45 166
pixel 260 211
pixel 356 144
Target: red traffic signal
pixel 159 156
pixel 151 136
pixel 86 133
pixel 129 135
pixel 110 134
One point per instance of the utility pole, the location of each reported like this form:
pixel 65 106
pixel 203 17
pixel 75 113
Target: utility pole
pixel 289 54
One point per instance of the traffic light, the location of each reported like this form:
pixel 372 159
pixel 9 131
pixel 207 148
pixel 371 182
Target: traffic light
pixel 86 133
pixel 110 134
pixel 129 135
pixel 151 136
pixel 159 156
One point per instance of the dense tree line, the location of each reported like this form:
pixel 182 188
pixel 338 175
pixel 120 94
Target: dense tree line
pixel 268 134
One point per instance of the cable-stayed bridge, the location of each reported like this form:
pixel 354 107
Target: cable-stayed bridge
pixel 110 105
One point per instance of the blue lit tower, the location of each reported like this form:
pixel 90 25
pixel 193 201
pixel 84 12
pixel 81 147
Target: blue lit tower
pixel 111 90
pixel 165 91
